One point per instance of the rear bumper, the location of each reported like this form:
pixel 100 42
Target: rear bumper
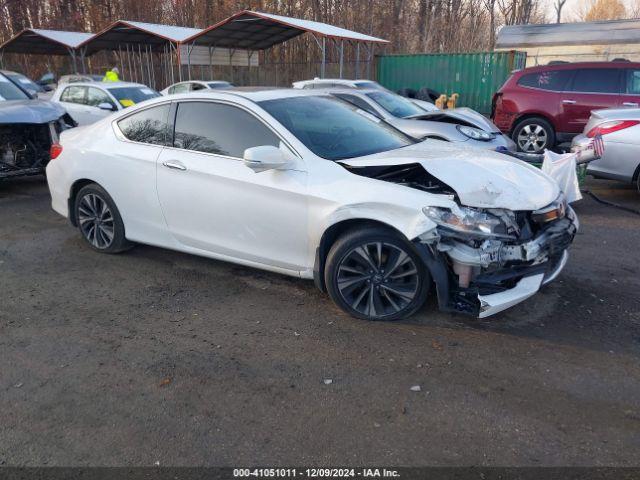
pixel 504 121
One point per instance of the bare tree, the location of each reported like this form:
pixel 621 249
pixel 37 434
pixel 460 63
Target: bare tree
pixel 558 8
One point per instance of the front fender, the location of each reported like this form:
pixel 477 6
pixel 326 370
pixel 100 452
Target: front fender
pixel 410 222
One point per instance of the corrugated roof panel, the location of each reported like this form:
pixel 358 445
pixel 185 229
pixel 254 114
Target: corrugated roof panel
pixel 321 28
pixel 251 30
pixel 70 39
pixel 172 32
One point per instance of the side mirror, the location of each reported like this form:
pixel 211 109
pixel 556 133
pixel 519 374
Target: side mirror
pixel 47 88
pixel 266 157
pixel 106 106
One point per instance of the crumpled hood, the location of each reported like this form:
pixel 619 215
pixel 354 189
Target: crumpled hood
pixel 481 178
pixel 465 116
pixel 29 111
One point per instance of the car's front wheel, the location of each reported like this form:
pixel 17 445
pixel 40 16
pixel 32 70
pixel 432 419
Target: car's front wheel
pixel 374 274
pixel 534 135
pixel 99 220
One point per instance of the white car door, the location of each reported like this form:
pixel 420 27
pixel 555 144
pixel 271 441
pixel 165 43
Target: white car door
pixel 74 99
pixel 212 201
pixel 95 98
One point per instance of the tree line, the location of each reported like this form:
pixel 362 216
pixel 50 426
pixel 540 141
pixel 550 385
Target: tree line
pixel 412 26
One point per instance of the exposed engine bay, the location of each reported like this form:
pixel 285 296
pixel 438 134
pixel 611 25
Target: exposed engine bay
pixel 24 148
pixel 411 175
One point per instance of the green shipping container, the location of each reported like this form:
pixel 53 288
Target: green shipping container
pixel 475 76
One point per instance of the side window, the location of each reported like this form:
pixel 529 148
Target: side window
pixel 148 126
pixel 220 129
pixel 358 102
pixel 95 97
pixel 553 80
pixel 633 82
pixel 196 86
pixel 597 80
pixel 181 88
pixel 74 95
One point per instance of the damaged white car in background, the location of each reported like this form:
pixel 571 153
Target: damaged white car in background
pixel 304 184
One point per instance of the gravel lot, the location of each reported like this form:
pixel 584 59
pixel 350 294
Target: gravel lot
pixel 156 356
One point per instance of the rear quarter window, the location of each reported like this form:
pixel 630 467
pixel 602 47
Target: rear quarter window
pixel 551 80
pixel 150 125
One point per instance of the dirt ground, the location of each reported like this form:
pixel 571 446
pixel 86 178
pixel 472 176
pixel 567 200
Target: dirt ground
pixel 156 356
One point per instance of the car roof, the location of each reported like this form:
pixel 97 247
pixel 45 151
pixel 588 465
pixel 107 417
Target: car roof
pixel 336 80
pixel 574 65
pixel 354 91
pixel 253 94
pixel 197 81
pixel 106 85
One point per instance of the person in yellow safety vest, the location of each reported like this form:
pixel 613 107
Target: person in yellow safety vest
pixel 111 75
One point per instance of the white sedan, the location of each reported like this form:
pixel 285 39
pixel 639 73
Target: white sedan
pixel 88 102
pixel 195 85
pixel 306 185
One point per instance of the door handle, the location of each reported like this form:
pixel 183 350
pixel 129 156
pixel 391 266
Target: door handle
pixel 174 165
pixel 630 104
pixel 569 102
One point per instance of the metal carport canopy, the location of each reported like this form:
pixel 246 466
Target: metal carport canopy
pixel 249 30
pixel 137 33
pixel 44 42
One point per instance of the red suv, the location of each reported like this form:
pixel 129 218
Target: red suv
pixel 541 107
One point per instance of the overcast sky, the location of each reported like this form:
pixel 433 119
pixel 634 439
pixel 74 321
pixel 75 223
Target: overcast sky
pixel 570 8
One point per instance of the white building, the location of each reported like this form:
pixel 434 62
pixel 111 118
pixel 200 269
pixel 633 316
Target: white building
pixel 573 42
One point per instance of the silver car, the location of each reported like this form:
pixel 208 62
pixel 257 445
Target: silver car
pixel 620 131
pixel 460 125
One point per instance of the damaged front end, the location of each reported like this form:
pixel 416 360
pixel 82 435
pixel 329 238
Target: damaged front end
pixel 24 148
pixel 484 261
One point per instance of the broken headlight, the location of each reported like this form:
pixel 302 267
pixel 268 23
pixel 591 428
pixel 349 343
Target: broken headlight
pixel 475 133
pixel 468 220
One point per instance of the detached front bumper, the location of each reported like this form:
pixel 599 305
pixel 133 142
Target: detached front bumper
pixel 503 274
pixel 526 287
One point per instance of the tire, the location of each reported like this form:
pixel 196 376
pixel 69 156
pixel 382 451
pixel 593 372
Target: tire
pixel 407 92
pixel 99 220
pixel 533 135
pixel 360 286
pixel 427 94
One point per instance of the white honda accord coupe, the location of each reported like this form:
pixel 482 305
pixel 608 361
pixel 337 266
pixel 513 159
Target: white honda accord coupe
pixel 304 184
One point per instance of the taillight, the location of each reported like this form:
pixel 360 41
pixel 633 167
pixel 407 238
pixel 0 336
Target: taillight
pixel 612 126
pixel 55 150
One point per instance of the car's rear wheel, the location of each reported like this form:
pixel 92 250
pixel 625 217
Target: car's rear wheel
pixel 99 220
pixel 374 274
pixel 534 135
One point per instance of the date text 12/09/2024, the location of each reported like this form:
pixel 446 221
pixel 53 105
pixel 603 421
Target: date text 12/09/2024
pixel 315 472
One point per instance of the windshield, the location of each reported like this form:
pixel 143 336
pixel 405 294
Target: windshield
pixel 8 91
pixel 333 129
pixel 128 96
pixel 395 104
pixel 25 82
pixel 220 85
pixel 369 84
